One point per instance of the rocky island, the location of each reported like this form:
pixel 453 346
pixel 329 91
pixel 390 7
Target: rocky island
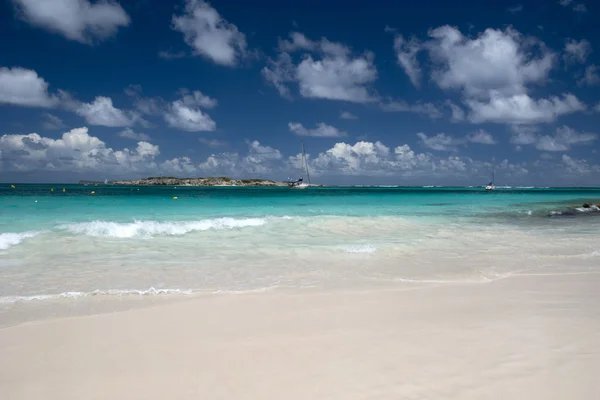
pixel 173 181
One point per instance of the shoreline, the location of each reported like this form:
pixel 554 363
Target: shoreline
pixel 525 336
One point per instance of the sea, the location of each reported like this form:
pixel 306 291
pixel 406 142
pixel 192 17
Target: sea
pixel 72 249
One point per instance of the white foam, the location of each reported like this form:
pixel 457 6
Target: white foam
pixel 360 248
pixel 153 228
pixel 9 239
pixel 591 208
pixel 113 292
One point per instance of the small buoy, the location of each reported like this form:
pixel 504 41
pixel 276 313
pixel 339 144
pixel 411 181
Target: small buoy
pixel 93 192
pixel 12 186
pixel 36 201
pixel 174 197
pixel 64 190
pixel 52 189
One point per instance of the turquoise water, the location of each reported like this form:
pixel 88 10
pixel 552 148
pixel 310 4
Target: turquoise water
pixel 138 240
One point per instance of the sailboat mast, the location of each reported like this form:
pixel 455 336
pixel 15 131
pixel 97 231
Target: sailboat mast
pixel 305 163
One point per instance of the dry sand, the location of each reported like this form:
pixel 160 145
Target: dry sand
pixel 528 337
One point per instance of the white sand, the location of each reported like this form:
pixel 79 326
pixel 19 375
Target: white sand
pixel 535 337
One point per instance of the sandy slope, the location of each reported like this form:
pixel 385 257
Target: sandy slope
pixel 519 338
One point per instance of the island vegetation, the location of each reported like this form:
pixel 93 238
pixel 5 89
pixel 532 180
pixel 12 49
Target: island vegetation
pixel 174 181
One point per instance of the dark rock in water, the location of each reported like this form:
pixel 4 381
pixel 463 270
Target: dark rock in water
pixel 586 205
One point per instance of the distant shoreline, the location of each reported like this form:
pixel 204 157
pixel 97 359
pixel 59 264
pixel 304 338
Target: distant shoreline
pixel 173 181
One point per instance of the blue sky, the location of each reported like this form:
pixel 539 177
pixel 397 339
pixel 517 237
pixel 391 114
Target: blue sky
pixel 432 93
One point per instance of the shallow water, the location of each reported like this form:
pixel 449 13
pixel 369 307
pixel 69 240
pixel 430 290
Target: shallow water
pixel 131 241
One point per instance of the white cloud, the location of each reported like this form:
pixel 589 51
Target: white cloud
pixel 428 109
pixel 259 161
pixel 562 140
pixel 23 87
pixel 440 142
pixel 564 3
pixel 337 78
pixel 52 122
pixel 577 51
pixel 577 166
pixel 197 99
pixel 482 137
pixel 590 76
pixel 188 118
pixel 406 52
pixel 167 55
pixel 500 62
pixel 210 35
pixel 322 130
pixel 133 90
pixel 128 133
pixel 78 20
pixel 75 151
pixel 457 113
pixel 102 112
pixel 522 109
pixel 515 9
pixel 347 115
pixel 212 142
pixel 330 73
pixel 279 72
pixel 581 8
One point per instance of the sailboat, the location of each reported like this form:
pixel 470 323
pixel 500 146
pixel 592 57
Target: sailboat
pixel 490 186
pixel 300 184
pixel 106 181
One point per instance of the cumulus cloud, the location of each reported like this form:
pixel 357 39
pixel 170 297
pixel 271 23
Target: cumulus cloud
pixel 481 137
pixel 168 55
pixel 188 118
pixel 260 160
pixel 580 8
pixel 78 20
pixel 577 51
pixel 428 109
pixel 128 133
pixel 347 115
pixel 75 151
pixel 522 109
pixel 440 142
pixel 52 122
pixel 197 99
pixel 562 140
pixel 501 62
pixel 23 87
pixel 102 112
pixel 209 34
pixel 590 76
pixel 321 130
pixel 327 70
pixel 578 166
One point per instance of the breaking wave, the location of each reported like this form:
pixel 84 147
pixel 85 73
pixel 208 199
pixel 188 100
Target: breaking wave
pixel 7 240
pixel 154 228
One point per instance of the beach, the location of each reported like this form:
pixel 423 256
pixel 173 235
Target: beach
pixel 526 337
pixel 332 293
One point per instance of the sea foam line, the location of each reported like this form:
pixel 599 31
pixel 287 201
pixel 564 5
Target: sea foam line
pixel 9 239
pixel 152 228
pixel 112 292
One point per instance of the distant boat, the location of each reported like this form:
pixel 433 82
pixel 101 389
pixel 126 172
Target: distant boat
pixel 490 186
pixel 300 184
pixel 105 181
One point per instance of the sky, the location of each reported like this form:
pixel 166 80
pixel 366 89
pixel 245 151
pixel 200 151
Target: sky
pixel 379 92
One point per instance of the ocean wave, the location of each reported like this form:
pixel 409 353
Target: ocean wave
pixel 113 292
pixel 360 248
pixel 153 228
pixel 7 240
